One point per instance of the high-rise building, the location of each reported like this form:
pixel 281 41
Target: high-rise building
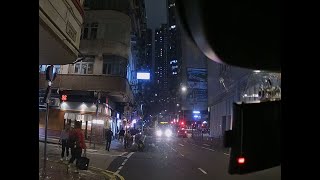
pixel 173 55
pixel 161 64
pixel 149 52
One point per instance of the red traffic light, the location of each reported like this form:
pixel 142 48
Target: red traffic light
pixel 241 160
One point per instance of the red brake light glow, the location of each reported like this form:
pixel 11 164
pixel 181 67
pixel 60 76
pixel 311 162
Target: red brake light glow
pixel 241 160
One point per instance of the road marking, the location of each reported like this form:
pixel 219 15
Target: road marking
pixel 129 155
pixel 123 153
pixel 167 144
pixel 208 149
pixel 144 138
pixel 206 144
pixel 117 172
pixel 202 171
pixel 182 155
pixel 174 149
pixel 106 154
pixel 123 163
pixel 226 154
pixel 195 144
pixel 181 144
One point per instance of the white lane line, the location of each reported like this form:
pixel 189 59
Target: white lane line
pixel 174 149
pixel 144 138
pixel 129 155
pixel 182 155
pixel 181 144
pixel 167 144
pixel 195 145
pixel 124 162
pixel 202 171
pixel 206 144
pixel 120 167
pixel 208 149
pixel 226 154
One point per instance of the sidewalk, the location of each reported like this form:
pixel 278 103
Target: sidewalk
pixel 99 161
pixel 115 145
pixel 59 170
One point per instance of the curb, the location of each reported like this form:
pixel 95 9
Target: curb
pixel 108 174
pixel 112 175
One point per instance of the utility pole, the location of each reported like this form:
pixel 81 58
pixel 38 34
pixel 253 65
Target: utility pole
pixel 50 76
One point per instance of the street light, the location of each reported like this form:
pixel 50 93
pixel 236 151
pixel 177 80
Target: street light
pixel 183 88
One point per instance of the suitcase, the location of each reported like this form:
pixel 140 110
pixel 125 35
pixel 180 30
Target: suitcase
pixel 83 163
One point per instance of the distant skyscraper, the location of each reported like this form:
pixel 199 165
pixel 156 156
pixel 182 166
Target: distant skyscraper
pixel 149 50
pixel 173 55
pixel 161 62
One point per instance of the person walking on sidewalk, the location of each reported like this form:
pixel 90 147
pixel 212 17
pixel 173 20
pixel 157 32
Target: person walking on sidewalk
pixel 77 143
pixel 64 138
pixel 108 137
pixel 121 135
pixel 127 139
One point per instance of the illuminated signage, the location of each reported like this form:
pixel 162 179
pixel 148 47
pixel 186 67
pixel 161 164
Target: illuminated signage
pixel 141 75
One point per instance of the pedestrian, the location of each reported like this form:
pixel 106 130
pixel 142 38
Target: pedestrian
pixel 127 139
pixel 121 135
pixel 108 137
pixel 64 138
pixel 76 143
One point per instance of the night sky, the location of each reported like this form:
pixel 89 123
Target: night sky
pixel 156 13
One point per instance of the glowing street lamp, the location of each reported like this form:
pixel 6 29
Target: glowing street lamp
pixel 183 88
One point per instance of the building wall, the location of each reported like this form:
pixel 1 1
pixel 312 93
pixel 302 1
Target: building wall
pixel 113 36
pixel 98 63
pixel 238 82
pixel 55 120
pixel 63 20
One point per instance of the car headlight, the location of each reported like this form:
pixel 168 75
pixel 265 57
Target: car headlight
pixel 159 133
pixel 168 133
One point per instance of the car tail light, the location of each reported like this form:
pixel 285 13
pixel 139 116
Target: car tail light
pixel 241 160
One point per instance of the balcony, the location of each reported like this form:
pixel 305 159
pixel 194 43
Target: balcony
pixel 59 30
pixel 116 87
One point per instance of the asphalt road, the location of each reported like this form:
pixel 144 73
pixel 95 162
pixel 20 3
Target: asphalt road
pixel 179 159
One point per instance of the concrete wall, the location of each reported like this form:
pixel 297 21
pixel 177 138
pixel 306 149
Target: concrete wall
pixel 113 33
pixel 220 100
pixel 64 20
pixel 112 84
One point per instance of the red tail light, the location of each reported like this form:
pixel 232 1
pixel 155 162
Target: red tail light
pixel 241 160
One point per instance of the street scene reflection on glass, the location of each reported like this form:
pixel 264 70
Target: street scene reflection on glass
pixel 125 92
